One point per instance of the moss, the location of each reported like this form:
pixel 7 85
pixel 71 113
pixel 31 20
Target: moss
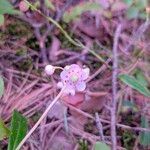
pixel 33 43
pixel 18 28
pixel 14 30
pixel 25 64
pixel 89 126
pixel 21 52
pixel 65 43
pixel 128 139
pixel 83 144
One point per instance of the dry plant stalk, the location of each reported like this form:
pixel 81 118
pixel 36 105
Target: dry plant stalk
pixel 41 118
pixel 114 88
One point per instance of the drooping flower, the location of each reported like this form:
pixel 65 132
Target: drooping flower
pixel 23 6
pixel 73 77
pixel 49 69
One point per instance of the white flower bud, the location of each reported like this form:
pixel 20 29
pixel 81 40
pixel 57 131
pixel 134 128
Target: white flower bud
pixel 49 69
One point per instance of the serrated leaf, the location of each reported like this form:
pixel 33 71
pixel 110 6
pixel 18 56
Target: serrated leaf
pixel 7 8
pixel 145 135
pixel 101 146
pixel 132 12
pixel 1 86
pixel 18 130
pixel 135 84
pixel 1 20
pixel 4 131
pixel 79 9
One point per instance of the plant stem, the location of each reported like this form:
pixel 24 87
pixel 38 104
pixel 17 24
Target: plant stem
pixel 114 88
pixel 71 40
pixel 40 120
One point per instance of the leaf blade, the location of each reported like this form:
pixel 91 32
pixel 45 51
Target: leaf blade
pixel 1 20
pixel 141 78
pixel 4 131
pixel 133 83
pixel 18 130
pixel 7 8
pixel 1 86
pixel 101 146
pixel 132 12
pixel 79 9
pixel 144 136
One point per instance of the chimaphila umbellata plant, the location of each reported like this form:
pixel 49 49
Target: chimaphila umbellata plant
pixel 73 79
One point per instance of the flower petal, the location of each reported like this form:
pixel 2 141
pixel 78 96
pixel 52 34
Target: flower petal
pixel 67 67
pixel 63 75
pixel 69 91
pixel 81 86
pixel 75 66
pixel 85 73
pixel 60 85
pixel 72 92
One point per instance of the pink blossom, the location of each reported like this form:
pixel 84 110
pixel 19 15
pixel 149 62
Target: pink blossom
pixel 73 77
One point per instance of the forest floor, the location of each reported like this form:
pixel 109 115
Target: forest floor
pixel 116 48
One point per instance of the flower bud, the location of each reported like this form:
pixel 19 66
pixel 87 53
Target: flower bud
pixel 23 6
pixel 49 69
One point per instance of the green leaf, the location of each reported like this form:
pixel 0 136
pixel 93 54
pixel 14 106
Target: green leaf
pixel 101 146
pixel 79 9
pixel 4 131
pixel 142 15
pixel 141 78
pixel 18 130
pixel 1 86
pixel 145 136
pixel 49 4
pixel 128 105
pixel 7 8
pixel 128 2
pixel 1 20
pixel 132 12
pixel 141 4
pixel 135 84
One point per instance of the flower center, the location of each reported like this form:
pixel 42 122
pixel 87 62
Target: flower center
pixel 74 78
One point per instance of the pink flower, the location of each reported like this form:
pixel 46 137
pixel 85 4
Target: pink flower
pixel 73 77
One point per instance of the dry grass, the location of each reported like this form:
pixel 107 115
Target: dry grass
pixel 29 90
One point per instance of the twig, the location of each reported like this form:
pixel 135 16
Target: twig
pixel 72 41
pixel 102 68
pixel 52 136
pixel 100 127
pixel 40 120
pixel 41 44
pixel 106 121
pixel 138 34
pixel 58 17
pixel 114 88
pixel 90 137
pixel 66 121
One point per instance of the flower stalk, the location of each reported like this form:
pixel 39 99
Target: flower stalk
pixel 41 118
